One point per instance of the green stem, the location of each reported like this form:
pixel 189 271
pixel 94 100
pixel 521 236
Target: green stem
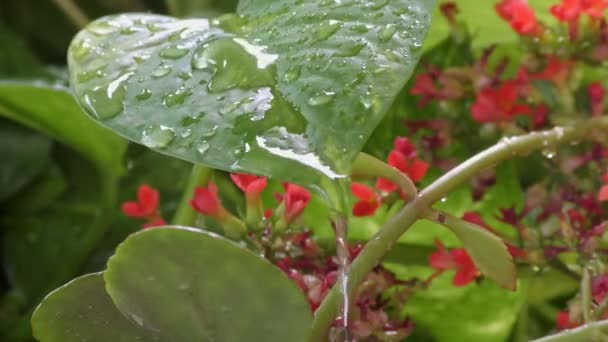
pixel 185 215
pixel 586 295
pixel 385 238
pixel 73 12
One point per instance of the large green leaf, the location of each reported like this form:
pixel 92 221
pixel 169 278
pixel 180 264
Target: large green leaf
pixel 51 110
pixel 189 285
pixel 593 332
pixel 290 89
pixel 82 311
pixel 24 154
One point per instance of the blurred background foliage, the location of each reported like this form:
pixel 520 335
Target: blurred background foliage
pixel 62 179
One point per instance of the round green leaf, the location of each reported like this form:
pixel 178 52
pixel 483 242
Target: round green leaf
pixel 290 89
pixel 596 331
pixel 190 285
pixel 82 311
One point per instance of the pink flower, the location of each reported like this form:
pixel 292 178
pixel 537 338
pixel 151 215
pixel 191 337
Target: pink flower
pixel 520 16
pixel 296 199
pixel 249 184
pixel 457 259
pixel 599 288
pixel 368 200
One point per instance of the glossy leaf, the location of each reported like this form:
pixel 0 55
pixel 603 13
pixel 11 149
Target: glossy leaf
pixel 189 285
pixel 82 311
pixel 55 113
pixel 597 331
pixel 24 155
pixel 487 250
pixel 289 89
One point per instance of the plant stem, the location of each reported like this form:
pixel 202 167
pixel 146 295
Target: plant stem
pixel 185 215
pixel 385 238
pixel 586 295
pixel 73 12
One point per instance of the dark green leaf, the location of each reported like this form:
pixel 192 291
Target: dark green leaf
pixel 82 311
pixel 292 84
pixel 44 250
pixel 194 286
pixel 40 193
pixel 52 111
pixel 24 154
pixel 593 332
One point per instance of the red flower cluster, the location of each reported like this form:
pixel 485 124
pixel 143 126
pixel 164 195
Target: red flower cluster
pixel 368 202
pixel 520 16
pixel 435 85
pixel 457 259
pixel 570 12
pixel 499 104
pixel 251 185
pixel 146 207
pixel 296 199
pixel 372 315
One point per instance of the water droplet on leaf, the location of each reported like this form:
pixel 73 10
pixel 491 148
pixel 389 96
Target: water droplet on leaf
pixel 157 136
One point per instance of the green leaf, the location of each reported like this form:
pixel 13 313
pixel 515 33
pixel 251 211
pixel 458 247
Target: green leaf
pixel 199 8
pixel 44 250
pixel 24 155
pixel 597 331
pixel 43 191
pixel 51 110
pixel 477 312
pixel 487 250
pixel 82 311
pixel 288 89
pixel 189 285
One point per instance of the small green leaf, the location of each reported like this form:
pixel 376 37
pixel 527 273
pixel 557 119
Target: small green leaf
pixel 290 89
pixel 488 251
pixel 55 113
pixel 592 332
pixel 189 285
pixel 24 155
pixel 82 311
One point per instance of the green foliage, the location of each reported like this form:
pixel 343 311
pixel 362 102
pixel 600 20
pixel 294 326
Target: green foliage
pixel 263 104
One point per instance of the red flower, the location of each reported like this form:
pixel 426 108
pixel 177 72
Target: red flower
pixel 146 205
pixel 602 195
pixel 599 288
pixel 206 201
pixel 557 70
pixel 403 157
pixel 562 321
pixel 368 200
pixel 296 199
pixel 425 86
pixel 520 16
pixel 457 259
pixel 157 222
pixel 569 12
pixel 494 105
pixel 249 184
pixel 596 93
pixel 595 8
pixel 449 10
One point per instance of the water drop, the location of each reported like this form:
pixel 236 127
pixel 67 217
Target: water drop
pixel 89 75
pixel 173 52
pixel 360 28
pixel 81 50
pixel 350 50
pixel 161 71
pixel 210 132
pixel 321 98
pixel 107 102
pixel 177 97
pixel 292 74
pixel 328 30
pixel 101 28
pixel 387 32
pixel 376 5
pixel 185 76
pixel 202 147
pixel 144 94
pixel 157 136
